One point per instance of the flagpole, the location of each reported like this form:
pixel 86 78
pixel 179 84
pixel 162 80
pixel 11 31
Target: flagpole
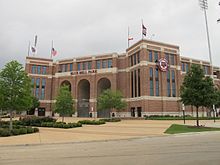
pixel 142 29
pixel 128 37
pixel 29 46
pixel 51 49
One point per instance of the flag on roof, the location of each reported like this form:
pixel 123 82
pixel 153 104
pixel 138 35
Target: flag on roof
pixel 33 49
pixel 130 38
pixel 144 30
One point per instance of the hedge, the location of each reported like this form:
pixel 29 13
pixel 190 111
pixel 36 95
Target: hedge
pixel 92 122
pixel 111 120
pixel 4 132
pixel 60 125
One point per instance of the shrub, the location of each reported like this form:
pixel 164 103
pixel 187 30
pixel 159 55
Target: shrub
pixel 23 131
pixel 36 121
pixel 5 132
pixel 111 120
pixel 36 129
pixel 30 130
pixel 15 131
pixel 91 122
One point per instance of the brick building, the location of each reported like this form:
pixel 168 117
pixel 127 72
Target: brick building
pixel 149 76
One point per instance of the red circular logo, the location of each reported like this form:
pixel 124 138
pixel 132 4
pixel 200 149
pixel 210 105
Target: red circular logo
pixel 163 64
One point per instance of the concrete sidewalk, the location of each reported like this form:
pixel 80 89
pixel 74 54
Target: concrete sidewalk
pixel 120 130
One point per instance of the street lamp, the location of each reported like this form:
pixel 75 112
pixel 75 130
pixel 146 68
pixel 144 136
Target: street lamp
pixel 204 6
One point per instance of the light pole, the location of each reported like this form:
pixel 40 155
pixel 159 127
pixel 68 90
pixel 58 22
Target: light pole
pixel 183 108
pixel 204 6
pixel 218 21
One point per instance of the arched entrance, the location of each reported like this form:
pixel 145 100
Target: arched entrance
pixel 102 85
pixel 83 97
pixel 66 83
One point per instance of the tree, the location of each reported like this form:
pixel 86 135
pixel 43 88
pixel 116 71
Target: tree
pixel 35 104
pixel 111 99
pixel 15 87
pixel 64 102
pixel 197 90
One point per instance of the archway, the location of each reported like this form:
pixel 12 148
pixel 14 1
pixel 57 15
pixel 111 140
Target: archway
pixel 102 85
pixel 83 97
pixel 66 83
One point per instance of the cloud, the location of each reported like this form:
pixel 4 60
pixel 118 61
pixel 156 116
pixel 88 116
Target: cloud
pixel 83 27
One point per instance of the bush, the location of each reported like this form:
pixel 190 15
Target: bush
pixel 91 122
pixel 111 120
pixel 15 131
pixel 5 132
pixel 30 130
pixel 22 131
pixel 35 121
pixel 36 129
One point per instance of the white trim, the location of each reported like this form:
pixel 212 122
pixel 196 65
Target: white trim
pixel 164 98
pixel 40 75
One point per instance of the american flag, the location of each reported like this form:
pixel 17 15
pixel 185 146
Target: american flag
pixel 53 52
pixel 144 30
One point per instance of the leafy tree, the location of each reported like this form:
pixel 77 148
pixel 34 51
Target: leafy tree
pixel 64 102
pixel 35 103
pixel 197 90
pixel 111 99
pixel 15 87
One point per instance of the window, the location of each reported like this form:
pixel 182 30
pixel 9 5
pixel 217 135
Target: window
pixel 78 66
pixel 151 82
pixel 38 83
pixel 131 60
pixel 135 83
pixel 109 63
pixel 157 81
pixel 84 65
pixel 132 84
pixel 71 67
pixel 44 70
pixel 38 69
pixel 155 56
pixel 172 59
pixel 138 57
pixel 139 83
pixel 135 59
pixel 66 67
pixel 42 94
pixel 206 70
pixel 33 69
pixel 187 67
pixel 168 84
pixel 173 84
pixel 37 93
pixel 89 65
pixel 43 83
pixel 98 64
pixel 63 68
pixel 167 57
pixel 32 83
pixel 183 67
pixel 104 64
pixel 150 56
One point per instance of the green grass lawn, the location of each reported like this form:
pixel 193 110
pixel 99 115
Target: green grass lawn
pixel 176 128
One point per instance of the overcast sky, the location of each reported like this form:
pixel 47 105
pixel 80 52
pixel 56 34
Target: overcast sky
pixel 87 27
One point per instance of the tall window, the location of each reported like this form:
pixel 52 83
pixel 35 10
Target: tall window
pixel 43 86
pixel 157 81
pixel 89 65
pixel 183 66
pixel 32 83
pixel 131 60
pixel 104 65
pixel 78 66
pixel 84 65
pixel 135 83
pixel 37 87
pixel 155 56
pixel 98 64
pixel 173 84
pixel 168 84
pixel 44 70
pixel 71 67
pixel 187 67
pixel 66 67
pixel 167 57
pixel 139 83
pixel 150 56
pixel 109 63
pixel 132 84
pixel 151 82
pixel 135 59
pixel 138 57
pixel 172 59
pixel 33 69
pixel 38 69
